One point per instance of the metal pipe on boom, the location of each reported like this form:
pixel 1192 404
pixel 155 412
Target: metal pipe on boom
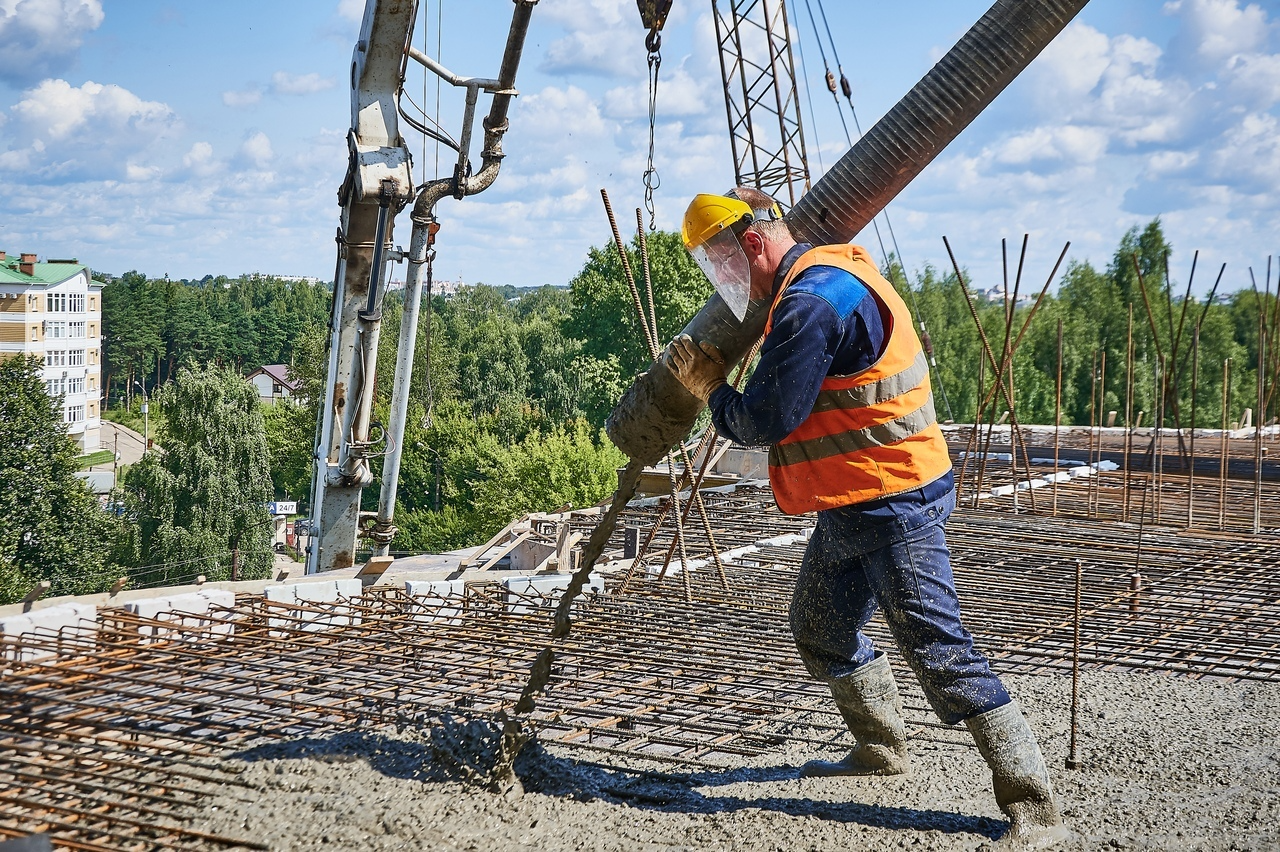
pixel 657 411
pixel 460 185
pixel 377 186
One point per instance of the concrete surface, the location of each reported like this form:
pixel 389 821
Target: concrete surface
pixel 1170 763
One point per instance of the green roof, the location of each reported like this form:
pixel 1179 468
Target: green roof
pixel 46 274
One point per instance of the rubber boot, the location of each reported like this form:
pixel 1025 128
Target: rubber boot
pixel 1019 778
pixel 869 702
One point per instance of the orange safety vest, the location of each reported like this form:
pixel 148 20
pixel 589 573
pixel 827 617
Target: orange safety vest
pixel 871 434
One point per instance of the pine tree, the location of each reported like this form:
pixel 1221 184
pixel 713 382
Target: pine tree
pixel 51 527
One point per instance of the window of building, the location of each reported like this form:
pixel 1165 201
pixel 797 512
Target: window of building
pixel 55 357
pixel 75 358
pixel 75 330
pixel 75 385
pixel 66 303
pixel 276 390
pixel 73 414
pixel 93 303
pixel 55 330
pixel 55 387
pixel 92 385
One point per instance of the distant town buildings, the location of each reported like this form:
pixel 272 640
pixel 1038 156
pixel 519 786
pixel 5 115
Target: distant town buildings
pixel 273 382
pixel 53 310
pixel 448 289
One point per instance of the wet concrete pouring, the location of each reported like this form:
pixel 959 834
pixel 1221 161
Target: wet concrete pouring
pixel 667 723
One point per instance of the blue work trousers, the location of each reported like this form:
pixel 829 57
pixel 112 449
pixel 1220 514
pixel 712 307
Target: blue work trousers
pixel 901 565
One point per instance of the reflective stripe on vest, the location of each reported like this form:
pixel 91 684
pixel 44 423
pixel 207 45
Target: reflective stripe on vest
pixel 882 434
pixel 871 434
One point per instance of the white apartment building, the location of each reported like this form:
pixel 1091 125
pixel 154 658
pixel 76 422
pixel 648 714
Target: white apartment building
pixel 54 310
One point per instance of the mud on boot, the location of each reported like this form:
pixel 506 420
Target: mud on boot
pixel 1019 778
pixel 869 702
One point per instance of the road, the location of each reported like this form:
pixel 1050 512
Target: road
pixel 121 439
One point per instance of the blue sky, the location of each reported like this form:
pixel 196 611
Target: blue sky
pixel 187 138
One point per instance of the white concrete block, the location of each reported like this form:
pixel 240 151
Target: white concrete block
pixel 438 600
pixel 1002 490
pixel 219 597
pixel 192 604
pixel 435 588
pixel 525 593
pixel 71 623
pixel 12 647
pixel 325 591
pixel 350 589
pixel 221 603
pixel 280 594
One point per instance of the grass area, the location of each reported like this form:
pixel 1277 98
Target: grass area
pixel 132 418
pixel 100 457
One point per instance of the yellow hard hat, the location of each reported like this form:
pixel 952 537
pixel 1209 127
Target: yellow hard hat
pixel 708 215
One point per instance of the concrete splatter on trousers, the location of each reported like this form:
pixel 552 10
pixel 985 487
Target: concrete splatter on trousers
pixel 901 566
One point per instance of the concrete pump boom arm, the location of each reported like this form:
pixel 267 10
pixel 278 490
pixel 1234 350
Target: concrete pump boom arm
pixel 377 186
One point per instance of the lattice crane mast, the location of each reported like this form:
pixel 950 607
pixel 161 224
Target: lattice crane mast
pixel 760 94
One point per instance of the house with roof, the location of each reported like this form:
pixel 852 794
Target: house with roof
pixel 274 382
pixel 53 310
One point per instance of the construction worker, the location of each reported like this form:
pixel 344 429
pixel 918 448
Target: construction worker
pixel 841 397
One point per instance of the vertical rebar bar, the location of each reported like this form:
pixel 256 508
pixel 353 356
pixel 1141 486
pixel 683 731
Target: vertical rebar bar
pixel 1195 386
pixel 1128 416
pixel 1057 419
pixel 1093 410
pixel 1257 429
pixel 636 301
pixel 1073 757
pixel 1226 438
pixel 1096 478
pixel 1157 497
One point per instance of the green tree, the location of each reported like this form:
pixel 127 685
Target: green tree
pixel 206 495
pixel 51 527
pixel 604 318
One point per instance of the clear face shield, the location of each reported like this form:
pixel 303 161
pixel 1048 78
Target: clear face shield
pixel 726 267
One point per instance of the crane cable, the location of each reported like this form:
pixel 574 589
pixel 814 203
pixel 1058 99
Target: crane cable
pixel 925 341
pixel 652 43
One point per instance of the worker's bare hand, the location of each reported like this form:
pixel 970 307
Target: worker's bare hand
pixel 699 367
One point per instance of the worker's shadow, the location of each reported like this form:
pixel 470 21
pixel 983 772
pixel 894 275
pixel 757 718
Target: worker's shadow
pixel 542 772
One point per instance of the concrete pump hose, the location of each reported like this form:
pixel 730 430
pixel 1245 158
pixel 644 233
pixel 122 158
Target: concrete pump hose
pixel 657 411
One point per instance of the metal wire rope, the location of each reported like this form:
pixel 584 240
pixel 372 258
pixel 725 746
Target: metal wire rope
pixel 847 89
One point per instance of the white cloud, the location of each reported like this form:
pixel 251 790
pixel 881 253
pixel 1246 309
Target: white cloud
pixel 200 161
pixel 283 83
pixel 1219 29
pixel 39 38
pixel 602 38
pixel 553 116
pixel 256 151
pixel 242 98
pixel 63 131
pixel 1053 147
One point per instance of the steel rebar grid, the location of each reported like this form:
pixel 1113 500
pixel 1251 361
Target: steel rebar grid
pixel 647 675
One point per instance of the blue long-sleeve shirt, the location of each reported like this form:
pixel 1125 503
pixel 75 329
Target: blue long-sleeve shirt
pixel 826 323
